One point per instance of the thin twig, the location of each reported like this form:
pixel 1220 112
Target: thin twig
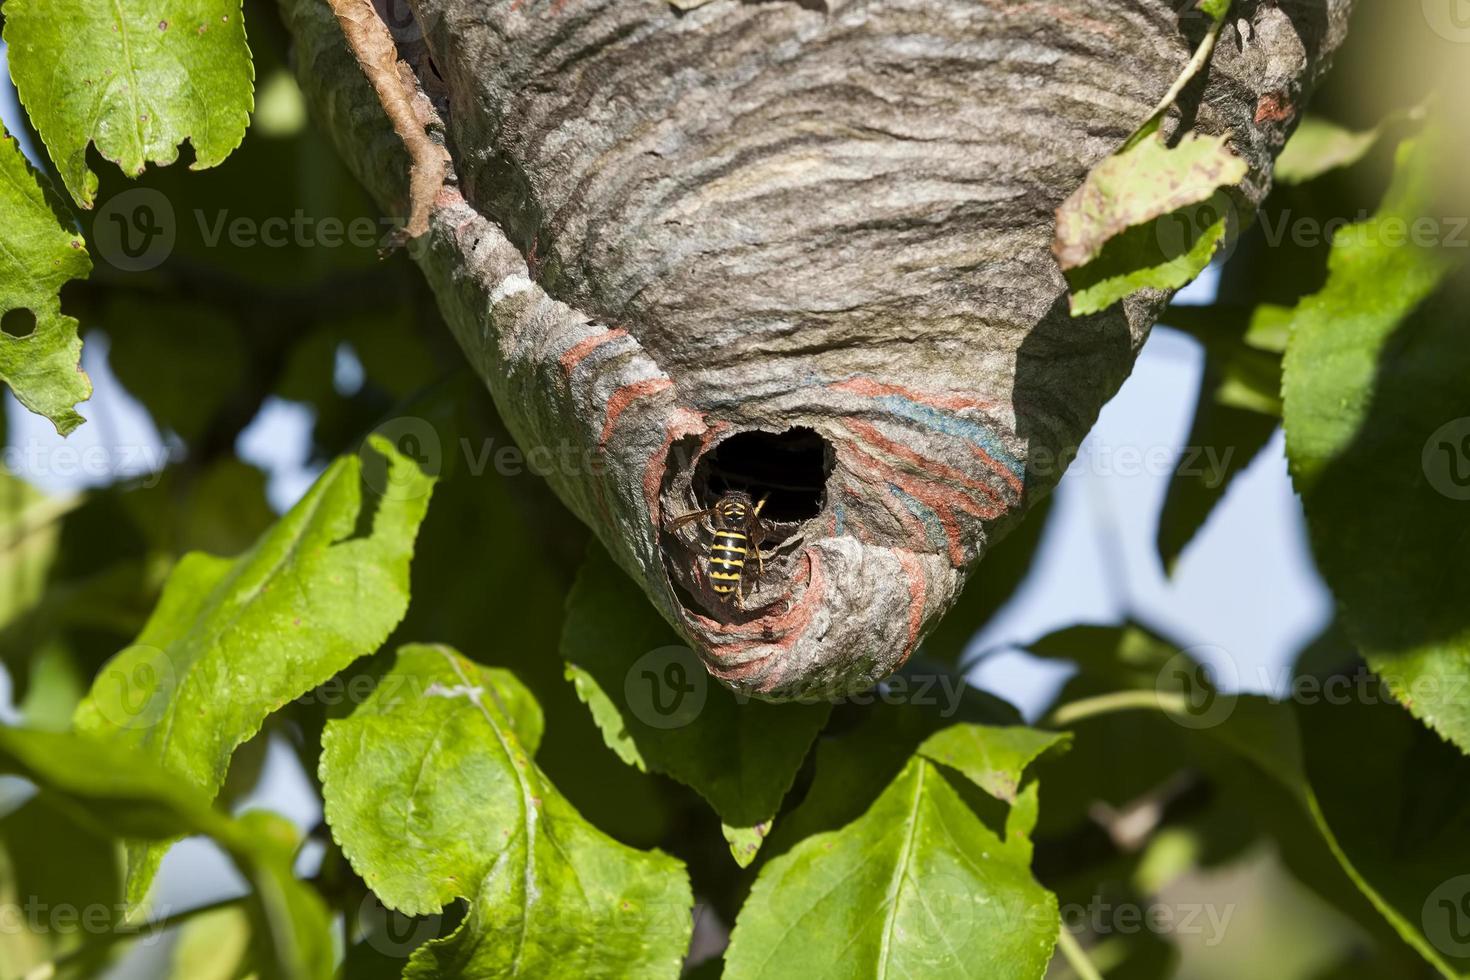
pixel 1066 715
pixel 122 933
pixel 372 45
pixel 1076 956
pixel 1196 65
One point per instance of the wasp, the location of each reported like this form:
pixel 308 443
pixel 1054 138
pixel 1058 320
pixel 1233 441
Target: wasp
pixel 736 533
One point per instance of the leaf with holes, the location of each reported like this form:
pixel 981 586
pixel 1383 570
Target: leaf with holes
pixel 927 882
pixel 233 640
pixel 431 791
pixel 1378 438
pixel 39 253
pixel 660 712
pixel 135 77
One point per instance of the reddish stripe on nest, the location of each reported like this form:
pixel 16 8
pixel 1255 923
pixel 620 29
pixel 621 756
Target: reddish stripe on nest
pixel 918 533
pixel 625 396
pixel 918 596
pixel 790 624
pixel 869 388
pixel 870 433
pixel 938 498
pixel 1004 471
pixel 579 352
pixel 683 423
pixel 783 627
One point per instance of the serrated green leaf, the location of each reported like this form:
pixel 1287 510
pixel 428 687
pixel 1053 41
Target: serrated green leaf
pixel 39 253
pixel 1378 439
pixel 432 794
pixel 1138 222
pixel 659 710
pixel 134 77
pixel 233 640
pixel 124 794
pixel 918 885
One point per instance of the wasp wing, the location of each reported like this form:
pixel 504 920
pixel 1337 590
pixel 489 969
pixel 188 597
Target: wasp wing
pixel 679 522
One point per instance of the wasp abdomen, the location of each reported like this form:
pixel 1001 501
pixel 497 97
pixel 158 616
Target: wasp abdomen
pixel 727 561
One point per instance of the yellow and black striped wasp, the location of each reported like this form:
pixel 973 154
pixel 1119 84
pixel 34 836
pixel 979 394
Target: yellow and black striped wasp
pixel 736 533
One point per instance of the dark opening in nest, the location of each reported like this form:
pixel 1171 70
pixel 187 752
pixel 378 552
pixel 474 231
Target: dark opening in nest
pixel 791 467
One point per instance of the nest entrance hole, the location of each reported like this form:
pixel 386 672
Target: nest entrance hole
pixel 789 468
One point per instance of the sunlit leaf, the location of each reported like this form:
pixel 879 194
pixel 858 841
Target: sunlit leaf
pixel 1378 437
pixel 1150 216
pixel 432 793
pixel 918 885
pixel 1319 146
pixel 40 352
pixel 233 640
pixel 134 77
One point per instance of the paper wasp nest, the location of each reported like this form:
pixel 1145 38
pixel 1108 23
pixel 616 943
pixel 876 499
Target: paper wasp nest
pixel 803 252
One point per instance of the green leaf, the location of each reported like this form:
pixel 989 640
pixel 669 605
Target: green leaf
pixel 213 946
pixel 39 253
pixel 1319 146
pixel 918 885
pixel 992 758
pixel 1378 439
pixel 1387 798
pixel 123 794
pixel 30 525
pixel 49 859
pixel 661 712
pixel 1150 216
pixel 135 77
pixel 233 640
pixel 431 792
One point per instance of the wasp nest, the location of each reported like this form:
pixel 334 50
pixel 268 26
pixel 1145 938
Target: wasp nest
pixel 801 250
